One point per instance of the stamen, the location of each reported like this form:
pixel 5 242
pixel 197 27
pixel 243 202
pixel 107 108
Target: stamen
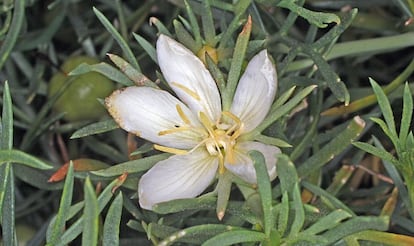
pixel 187 90
pixel 206 123
pixel 182 114
pixel 238 125
pixel 173 130
pixel 222 169
pixel 170 150
pixel 232 116
pixel 230 156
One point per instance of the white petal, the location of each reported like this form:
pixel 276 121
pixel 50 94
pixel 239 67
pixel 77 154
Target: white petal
pixel 180 176
pixel 147 111
pixel 182 69
pixel 243 167
pixel 255 92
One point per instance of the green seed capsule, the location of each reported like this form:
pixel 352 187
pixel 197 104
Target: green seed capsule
pixel 79 100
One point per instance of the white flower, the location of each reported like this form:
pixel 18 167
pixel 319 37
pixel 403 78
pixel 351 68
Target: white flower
pixel 204 139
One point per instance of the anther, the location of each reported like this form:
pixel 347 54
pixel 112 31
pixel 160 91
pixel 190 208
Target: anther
pixel 170 150
pixel 187 90
pixel 182 114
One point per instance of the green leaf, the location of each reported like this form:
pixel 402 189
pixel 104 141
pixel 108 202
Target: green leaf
pixel 104 69
pixel 8 206
pixel 193 22
pixel 282 99
pixel 406 114
pixel 95 128
pixel 21 157
pixel 216 73
pixel 239 12
pixel 265 191
pixel 396 177
pixel 6 127
pixel 13 33
pixel 355 225
pixel 385 108
pixel 223 193
pixel 118 38
pixel 131 72
pixel 90 215
pixel 334 147
pixel 326 197
pixel 112 222
pixel 200 203
pixel 283 212
pixel 384 155
pixel 234 237
pixel 299 219
pixel 335 84
pixel 147 46
pixel 133 166
pixel 161 28
pixel 383 238
pixel 36 177
pixel 76 228
pixel 194 235
pixel 236 64
pixel 318 19
pixel 387 131
pixel 272 141
pixel 287 174
pixel 276 113
pixel 185 38
pixel 327 222
pixel 36 38
pixel 57 225
pixel 208 24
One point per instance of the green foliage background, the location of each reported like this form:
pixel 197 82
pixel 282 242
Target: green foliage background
pixel 342 116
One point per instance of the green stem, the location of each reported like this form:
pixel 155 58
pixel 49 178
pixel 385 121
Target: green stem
pixel 372 99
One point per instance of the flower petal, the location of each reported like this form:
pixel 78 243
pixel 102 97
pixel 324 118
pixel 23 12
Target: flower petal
pixel 255 92
pixel 243 167
pixel 147 111
pixel 189 78
pixel 180 176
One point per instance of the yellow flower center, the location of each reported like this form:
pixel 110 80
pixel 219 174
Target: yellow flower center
pixel 219 138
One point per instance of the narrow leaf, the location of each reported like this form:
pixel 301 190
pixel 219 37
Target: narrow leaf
pixel 118 38
pixel 265 191
pixel 8 207
pixel 90 215
pixel 318 19
pixel 57 227
pixel 334 147
pixel 208 24
pixel 6 127
pixel 327 222
pixel 104 69
pixel 21 157
pixel 16 24
pixel 355 225
pixel 131 72
pixel 297 205
pixel 147 46
pixel 95 128
pixel 236 63
pixel 234 237
pixel 385 107
pixel 384 155
pixel 406 114
pixel 276 113
pixel 76 228
pixel 112 222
